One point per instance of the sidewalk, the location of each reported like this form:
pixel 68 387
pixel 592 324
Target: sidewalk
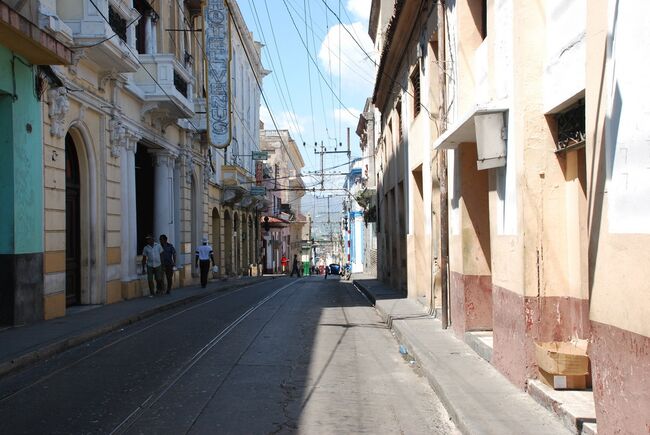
pixel 22 346
pixel 478 398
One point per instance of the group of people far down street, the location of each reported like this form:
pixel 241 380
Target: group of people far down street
pixel 159 263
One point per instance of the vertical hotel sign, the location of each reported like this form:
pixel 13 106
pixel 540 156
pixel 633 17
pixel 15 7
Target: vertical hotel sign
pixel 217 43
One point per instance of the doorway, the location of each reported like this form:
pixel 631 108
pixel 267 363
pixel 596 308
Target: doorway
pixel 72 224
pixel 216 238
pixel 144 193
pixel 227 246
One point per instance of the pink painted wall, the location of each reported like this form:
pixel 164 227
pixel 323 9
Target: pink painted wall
pixel 620 361
pixel 520 321
pixel 471 303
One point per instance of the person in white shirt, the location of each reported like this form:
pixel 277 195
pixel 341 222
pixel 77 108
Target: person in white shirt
pixel 203 257
pixel 151 261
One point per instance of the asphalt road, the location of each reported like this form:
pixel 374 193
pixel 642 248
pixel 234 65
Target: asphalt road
pixel 284 356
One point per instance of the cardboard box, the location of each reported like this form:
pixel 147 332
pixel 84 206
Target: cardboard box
pixel 561 358
pixel 565 382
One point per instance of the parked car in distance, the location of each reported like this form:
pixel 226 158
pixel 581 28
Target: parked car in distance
pixel 335 269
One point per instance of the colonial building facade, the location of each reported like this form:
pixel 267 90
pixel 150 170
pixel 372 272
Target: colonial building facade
pixel 27 54
pixel 285 186
pixel 233 211
pixel 511 167
pixel 121 127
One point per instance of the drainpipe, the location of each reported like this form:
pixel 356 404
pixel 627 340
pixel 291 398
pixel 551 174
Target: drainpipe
pixel 442 159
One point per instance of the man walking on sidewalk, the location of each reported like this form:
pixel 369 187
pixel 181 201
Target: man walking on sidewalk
pixel 168 257
pixel 203 257
pixel 151 261
pixel 295 268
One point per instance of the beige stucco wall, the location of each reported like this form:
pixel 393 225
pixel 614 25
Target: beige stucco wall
pixel 618 262
pixel 545 256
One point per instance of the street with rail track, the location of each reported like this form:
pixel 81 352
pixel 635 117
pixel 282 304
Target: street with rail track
pixel 286 355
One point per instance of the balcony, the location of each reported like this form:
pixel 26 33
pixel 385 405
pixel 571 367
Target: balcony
pixel 200 119
pixel 106 42
pixel 166 84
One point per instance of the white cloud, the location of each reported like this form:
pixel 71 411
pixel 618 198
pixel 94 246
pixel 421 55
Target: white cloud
pixel 349 117
pixel 285 121
pixel 355 68
pixel 360 8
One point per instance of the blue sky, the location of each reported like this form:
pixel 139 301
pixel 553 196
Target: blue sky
pixel 304 98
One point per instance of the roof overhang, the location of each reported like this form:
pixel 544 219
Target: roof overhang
pixel 484 125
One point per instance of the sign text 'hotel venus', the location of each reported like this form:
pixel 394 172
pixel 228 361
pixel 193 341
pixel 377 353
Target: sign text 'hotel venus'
pixel 217 43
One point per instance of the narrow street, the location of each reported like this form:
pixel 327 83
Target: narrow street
pixel 283 356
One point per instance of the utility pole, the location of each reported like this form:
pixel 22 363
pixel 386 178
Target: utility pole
pixel 323 151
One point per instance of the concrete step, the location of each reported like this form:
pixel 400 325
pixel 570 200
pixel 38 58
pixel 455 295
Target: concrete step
pixel 481 342
pixel 576 409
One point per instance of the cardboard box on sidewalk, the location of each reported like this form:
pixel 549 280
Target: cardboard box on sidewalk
pixel 565 382
pixel 564 365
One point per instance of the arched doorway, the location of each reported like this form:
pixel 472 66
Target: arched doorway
pixel 252 253
pixel 196 215
pixel 72 224
pixel 216 238
pixel 227 239
pixel 237 243
pixel 244 243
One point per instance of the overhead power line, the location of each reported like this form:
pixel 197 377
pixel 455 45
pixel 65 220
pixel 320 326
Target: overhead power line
pixel 314 61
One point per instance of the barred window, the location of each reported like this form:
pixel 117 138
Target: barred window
pixel 415 83
pixel 571 127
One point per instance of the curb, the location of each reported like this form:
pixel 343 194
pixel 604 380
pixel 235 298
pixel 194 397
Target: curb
pixel 411 349
pixel 51 349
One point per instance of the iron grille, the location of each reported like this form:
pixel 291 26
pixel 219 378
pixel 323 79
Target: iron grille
pixel 117 23
pixel 180 84
pixel 415 80
pixel 571 127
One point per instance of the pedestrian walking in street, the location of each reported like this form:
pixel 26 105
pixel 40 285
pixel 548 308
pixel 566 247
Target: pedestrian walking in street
pixel 327 271
pixel 204 256
pixel 295 267
pixel 168 257
pixel 151 264
pixel 285 262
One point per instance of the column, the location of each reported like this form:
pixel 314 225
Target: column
pixel 125 228
pixel 154 35
pixel 163 194
pixel 176 237
pixel 129 211
pixel 148 31
pixel 133 211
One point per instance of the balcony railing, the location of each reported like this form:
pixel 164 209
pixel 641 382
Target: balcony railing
pixel 167 82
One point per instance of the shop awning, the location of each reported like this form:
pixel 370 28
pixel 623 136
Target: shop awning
pixel 484 125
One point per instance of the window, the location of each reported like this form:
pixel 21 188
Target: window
pixel 180 84
pixel 415 85
pixel 484 19
pixel 117 23
pixel 479 11
pixel 143 28
pixel 398 109
pixel 571 127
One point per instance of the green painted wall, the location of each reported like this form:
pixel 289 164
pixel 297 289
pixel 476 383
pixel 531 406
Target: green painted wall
pixel 21 159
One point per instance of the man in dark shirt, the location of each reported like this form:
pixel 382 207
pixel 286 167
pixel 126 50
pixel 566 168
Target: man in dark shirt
pixel 296 268
pixel 168 257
